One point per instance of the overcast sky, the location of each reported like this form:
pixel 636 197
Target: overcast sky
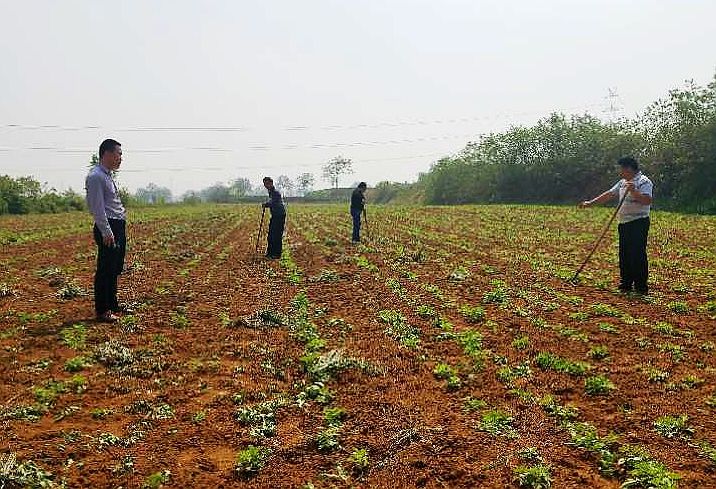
pixel 200 92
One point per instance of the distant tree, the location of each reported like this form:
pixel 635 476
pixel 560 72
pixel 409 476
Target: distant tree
pixel 191 197
pixel 218 192
pixel 241 187
pixel 335 168
pixel 94 160
pixel 284 183
pixel 25 194
pixel 305 182
pixel 153 194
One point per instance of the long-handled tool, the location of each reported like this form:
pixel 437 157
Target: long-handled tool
pixel 261 227
pixel 365 219
pixel 601 236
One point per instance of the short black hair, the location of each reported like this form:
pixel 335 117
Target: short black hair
pixel 628 162
pixel 362 185
pixel 268 179
pixel 108 145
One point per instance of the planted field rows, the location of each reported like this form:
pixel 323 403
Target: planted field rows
pixel 449 349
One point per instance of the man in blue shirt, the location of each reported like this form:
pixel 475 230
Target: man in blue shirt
pixel 277 222
pixel 633 224
pixel 109 229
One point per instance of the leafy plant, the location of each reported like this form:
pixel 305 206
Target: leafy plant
pixel 598 385
pixel 459 274
pixel 101 413
pixel 676 352
pixel 77 364
pixel 608 328
pixel 473 314
pixel 707 451
pixel 113 354
pixel 399 329
pixel 521 342
pixel 599 352
pixel 251 460
pixel 15 474
pixel 471 404
pixel 678 307
pixel 334 416
pixel 673 426
pixel 359 460
pixel 497 423
pixel 643 471
pixel 550 361
pixel 70 290
pixel 156 480
pixel 655 374
pixel 48 394
pixel 328 439
pixel 535 477
pixel 552 407
pixel 74 336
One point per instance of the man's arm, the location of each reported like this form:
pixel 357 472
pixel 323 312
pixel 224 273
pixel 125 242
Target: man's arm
pixel 95 202
pixel 600 199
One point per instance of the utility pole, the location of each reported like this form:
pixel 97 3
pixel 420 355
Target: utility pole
pixel 615 107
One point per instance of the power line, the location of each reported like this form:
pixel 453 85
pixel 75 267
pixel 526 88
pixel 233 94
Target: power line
pixel 254 146
pixel 243 167
pixel 290 128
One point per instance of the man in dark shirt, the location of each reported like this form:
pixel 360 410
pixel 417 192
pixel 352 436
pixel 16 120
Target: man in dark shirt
pixel 277 222
pixel 357 207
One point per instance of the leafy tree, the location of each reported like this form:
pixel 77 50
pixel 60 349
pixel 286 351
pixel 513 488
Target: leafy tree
pixel 336 167
pixel 25 194
pixel 564 159
pixel 219 193
pixel 284 183
pixel 305 182
pixel 241 187
pixel 153 194
pixel 191 197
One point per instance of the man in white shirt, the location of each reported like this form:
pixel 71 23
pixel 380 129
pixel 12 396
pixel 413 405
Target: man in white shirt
pixel 109 229
pixel 633 224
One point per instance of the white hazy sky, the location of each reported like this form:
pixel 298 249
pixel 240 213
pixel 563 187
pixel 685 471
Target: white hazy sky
pixel 200 92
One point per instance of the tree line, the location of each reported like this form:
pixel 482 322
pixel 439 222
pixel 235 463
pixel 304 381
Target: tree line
pixel 560 159
pixel 564 159
pixel 26 195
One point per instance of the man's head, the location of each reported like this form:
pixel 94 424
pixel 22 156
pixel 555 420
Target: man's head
pixel 362 186
pixel 268 183
pixel 628 167
pixel 110 154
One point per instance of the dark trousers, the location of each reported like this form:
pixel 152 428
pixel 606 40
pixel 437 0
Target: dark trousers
pixel 110 263
pixel 275 235
pixel 633 264
pixel 355 214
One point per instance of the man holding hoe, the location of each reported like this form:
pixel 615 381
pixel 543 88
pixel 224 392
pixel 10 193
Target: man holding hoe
pixel 277 222
pixel 634 191
pixel 357 208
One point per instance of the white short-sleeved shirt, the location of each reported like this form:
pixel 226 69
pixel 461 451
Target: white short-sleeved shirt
pixel 631 209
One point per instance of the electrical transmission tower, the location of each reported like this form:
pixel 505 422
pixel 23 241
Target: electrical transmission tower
pixel 615 107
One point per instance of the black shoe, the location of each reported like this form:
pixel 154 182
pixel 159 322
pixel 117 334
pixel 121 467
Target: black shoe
pixel 107 317
pixel 625 289
pixel 642 291
pixel 123 309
